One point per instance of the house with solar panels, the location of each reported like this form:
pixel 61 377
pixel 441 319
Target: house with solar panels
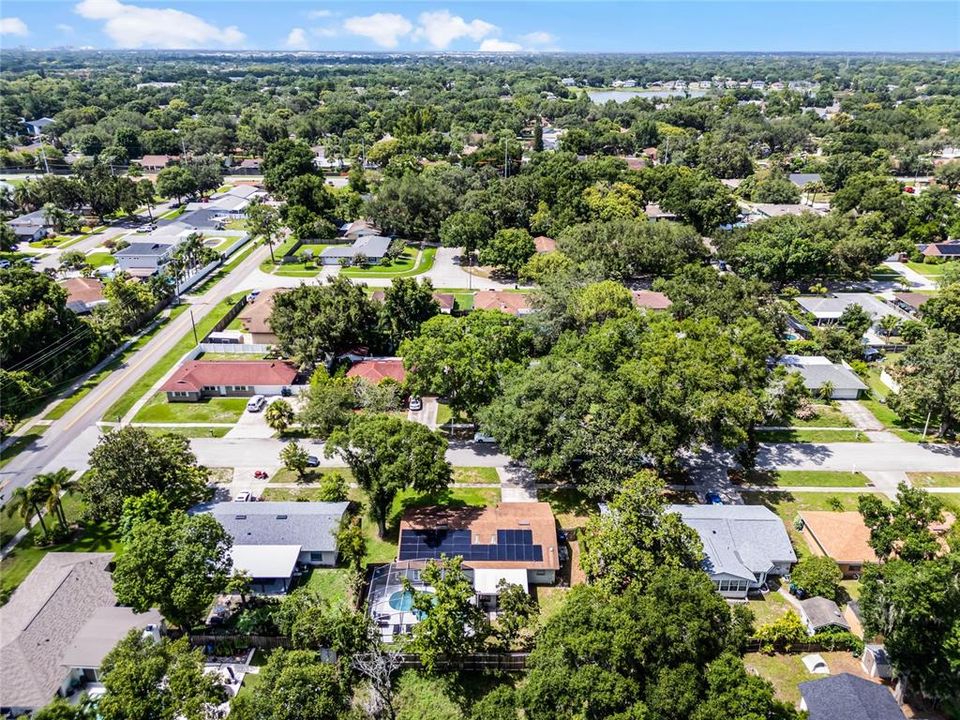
pixel 514 543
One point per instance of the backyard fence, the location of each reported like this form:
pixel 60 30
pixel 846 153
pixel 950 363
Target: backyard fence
pixel 238 348
pixel 198 276
pixel 230 316
pixel 479 662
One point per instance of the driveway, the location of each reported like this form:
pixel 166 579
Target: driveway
pixel 251 425
pixel 915 280
pixel 427 415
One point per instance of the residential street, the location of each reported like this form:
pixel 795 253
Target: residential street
pixel 860 457
pixel 45 453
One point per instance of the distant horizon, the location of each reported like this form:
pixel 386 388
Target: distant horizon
pixel 458 26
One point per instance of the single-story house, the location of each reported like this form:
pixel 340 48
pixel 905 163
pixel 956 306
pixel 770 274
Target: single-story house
pixel 875 661
pixel 817 370
pixel 250 163
pixel 651 300
pixel 827 309
pixel 820 613
pixel 544 244
pixel 144 256
pixel 156 162
pixel 373 247
pixel 83 294
pixel 29 227
pixel 911 302
pixel 58 626
pixel 948 250
pixel 848 697
pixel 508 302
pixel 515 542
pixel 198 379
pixel 36 127
pixel 742 545
pixel 255 317
pixel 358 228
pixel 653 211
pixel 376 370
pixel 763 211
pixel 803 179
pixel 270 538
pixel 842 536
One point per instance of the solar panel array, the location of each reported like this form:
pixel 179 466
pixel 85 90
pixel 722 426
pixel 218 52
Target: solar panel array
pixel 511 545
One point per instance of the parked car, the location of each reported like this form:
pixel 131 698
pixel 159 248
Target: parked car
pixel 416 404
pixel 313 461
pixel 483 438
pixel 4 264
pixel 245 496
pixel 256 403
pixel 713 498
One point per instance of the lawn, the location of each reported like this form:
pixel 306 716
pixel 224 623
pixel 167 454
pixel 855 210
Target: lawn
pixel 809 478
pixel 768 607
pixel 402 268
pixel 788 504
pixel 190 432
pixel 936 479
pixel 312 475
pixel 93 537
pixel 475 475
pixel 333 584
pixel 100 259
pixel 549 599
pixel 149 378
pixel 208 410
pixel 827 416
pixel 811 436
pixel 899 426
pixel 571 507
pixel 934 270
pixel 444 414
pixel 237 224
pixel 785 672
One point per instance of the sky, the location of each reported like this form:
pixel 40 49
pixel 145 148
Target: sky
pixel 494 26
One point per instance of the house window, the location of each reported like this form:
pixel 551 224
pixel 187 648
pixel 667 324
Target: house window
pixel 540 573
pixel 316 557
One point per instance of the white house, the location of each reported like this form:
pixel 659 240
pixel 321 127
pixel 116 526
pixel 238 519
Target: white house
pixel 144 258
pixel 817 370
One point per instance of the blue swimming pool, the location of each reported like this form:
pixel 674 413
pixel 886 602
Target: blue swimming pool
pixel 402 601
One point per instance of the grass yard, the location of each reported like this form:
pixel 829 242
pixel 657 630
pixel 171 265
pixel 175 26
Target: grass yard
pixel 190 432
pixel 92 537
pixel 444 413
pixel 936 479
pixel 767 608
pixel 788 504
pixel 208 410
pixel 809 478
pixel 902 427
pixel 827 416
pixel 811 436
pixel 571 507
pixel 222 271
pixel 237 224
pixel 332 583
pixel 784 671
pixel 9 526
pixel 100 259
pixel 549 599
pixel 475 475
pixel 404 267
pixel 300 494
pixel 147 380
pixel 932 270
pixel 312 475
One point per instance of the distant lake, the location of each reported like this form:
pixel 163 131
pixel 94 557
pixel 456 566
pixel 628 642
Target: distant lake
pixel 620 96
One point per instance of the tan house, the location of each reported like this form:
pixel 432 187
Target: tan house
pixel 508 302
pixel 255 317
pixel 842 536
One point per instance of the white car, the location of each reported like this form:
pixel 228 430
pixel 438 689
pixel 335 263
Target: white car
pixel 256 403
pixel 483 438
pixel 416 404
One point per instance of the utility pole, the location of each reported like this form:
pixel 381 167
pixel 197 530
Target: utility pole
pixel 194 324
pixel 43 154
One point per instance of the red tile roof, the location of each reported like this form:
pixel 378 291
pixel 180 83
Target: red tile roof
pixel 85 290
pixel 651 299
pixel 377 369
pixel 545 244
pixel 512 303
pixel 193 375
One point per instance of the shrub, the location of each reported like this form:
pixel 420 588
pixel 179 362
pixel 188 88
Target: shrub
pixel 817 576
pixel 782 633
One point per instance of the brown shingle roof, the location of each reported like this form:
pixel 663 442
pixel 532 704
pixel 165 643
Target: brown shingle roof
pixel 377 369
pixel 255 316
pixel 544 244
pixel 85 290
pixel 194 375
pixel 840 535
pixel 651 299
pixel 912 299
pixel 512 303
pixel 483 523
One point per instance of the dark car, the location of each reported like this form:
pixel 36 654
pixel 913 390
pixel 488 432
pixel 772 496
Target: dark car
pixel 313 461
pixel 713 498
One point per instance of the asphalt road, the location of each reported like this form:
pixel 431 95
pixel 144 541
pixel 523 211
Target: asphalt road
pixel 860 457
pixel 53 449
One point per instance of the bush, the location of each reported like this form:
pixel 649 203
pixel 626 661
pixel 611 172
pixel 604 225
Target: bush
pixel 782 633
pixel 817 576
pixel 333 488
pixel 839 640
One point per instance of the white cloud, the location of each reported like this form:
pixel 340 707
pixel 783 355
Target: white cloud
pixel 13 26
pixel 440 28
pixel 65 29
pixel 131 26
pixel 494 45
pixel 324 32
pixel 317 14
pixel 385 29
pixel 297 39
pixel 538 38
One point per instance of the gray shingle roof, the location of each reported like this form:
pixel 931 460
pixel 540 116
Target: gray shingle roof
pixel 816 370
pixel 374 246
pixel 312 525
pixel 830 307
pixel 822 613
pixel 847 697
pixel 801 179
pixel 738 540
pixel 143 248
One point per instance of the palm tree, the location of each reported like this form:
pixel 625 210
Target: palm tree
pixel 54 485
pixel 279 415
pixel 826 390
pixel 889 324
pixel 26 502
